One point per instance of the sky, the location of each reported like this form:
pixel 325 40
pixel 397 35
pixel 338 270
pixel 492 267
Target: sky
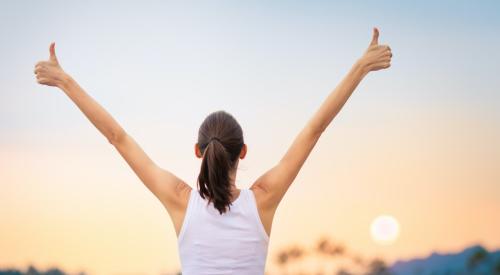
pixel 419 141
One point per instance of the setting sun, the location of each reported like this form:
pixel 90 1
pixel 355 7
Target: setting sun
pixel 384 229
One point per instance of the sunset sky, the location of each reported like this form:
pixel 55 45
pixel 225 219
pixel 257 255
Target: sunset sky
pixel 420 141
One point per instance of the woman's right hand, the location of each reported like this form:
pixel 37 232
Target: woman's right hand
pixel 50 72
pixel 376 57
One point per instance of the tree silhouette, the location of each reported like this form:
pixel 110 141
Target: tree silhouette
pixel 31 270
pixel 477 258
pixel 496 268
pixel 289 254
pixel 343 271
pixel 378 267
pixel 324 252
pixel 327 247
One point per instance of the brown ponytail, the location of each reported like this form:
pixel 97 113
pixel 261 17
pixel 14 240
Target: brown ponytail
pixel 220 140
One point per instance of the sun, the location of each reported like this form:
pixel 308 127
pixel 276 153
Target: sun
pixel 384 229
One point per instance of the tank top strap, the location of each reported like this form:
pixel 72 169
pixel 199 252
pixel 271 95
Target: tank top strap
pixel 252 203
pixel 193 202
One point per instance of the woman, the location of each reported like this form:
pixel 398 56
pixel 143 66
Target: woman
pixel 221 229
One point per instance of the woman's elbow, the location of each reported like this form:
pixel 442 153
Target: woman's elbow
pixel 117 136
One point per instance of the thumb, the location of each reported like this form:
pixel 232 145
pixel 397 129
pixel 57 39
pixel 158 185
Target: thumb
pixel 52 50
pixel 374 37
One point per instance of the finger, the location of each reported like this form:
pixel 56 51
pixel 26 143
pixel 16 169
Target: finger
pixel 42 80
pixel 42 64
pixel 384 47
pixel 39 70
pixel 381 65
pixel 386 59
pixel 52 50
pixel 374 37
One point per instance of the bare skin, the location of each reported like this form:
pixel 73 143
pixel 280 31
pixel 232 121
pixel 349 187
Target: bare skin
pixel 172 191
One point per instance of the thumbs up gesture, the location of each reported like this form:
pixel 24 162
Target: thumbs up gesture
pixel 50 72
pixel 377 56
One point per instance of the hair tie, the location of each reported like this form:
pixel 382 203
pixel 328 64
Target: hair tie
pixel 214 138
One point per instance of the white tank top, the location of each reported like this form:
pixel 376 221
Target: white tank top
pixel 232 243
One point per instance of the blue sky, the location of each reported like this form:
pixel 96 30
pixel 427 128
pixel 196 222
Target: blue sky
pixel 234 54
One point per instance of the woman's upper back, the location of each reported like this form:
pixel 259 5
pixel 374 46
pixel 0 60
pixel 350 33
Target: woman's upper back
pixel 232 243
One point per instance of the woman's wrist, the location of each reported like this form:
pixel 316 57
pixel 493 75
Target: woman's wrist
pixel 64 82
pixel 361 67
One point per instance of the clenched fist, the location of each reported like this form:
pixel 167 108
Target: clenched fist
pixel 377 56
pixel 50 72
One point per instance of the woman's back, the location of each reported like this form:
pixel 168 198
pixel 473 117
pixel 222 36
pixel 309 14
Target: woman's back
pixel 233 243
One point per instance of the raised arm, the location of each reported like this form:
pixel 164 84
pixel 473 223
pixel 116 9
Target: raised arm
pixel 163 184
pixel 275 182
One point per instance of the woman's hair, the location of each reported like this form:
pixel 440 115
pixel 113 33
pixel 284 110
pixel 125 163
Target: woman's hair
pixel 220 140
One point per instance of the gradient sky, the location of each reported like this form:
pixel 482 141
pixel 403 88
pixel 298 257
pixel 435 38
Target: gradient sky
pixel 420 141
